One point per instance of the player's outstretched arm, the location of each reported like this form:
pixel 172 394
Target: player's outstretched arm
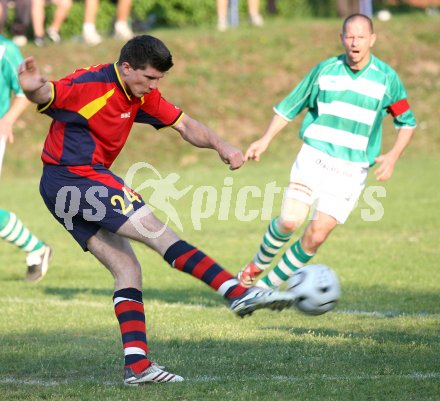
pixel 36 88
pixel 7 122
pixel 258 147
pixel 388 160
pixel 201 136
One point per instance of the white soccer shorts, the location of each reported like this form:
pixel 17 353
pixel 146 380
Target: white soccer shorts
pixel 333 185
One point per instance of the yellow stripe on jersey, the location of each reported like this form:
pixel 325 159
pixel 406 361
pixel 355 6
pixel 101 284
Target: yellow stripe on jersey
pixel 43 107
pixel 174 123
pixel 89 110
pixel 121 82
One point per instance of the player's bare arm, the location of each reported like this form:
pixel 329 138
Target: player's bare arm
pixel 388 160
pixel 35 86
pixel 258 147
pixel 18 105
pixel 201 136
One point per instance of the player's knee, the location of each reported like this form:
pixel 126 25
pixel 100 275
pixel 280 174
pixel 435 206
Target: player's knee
pixel 293 215
pixel 288 225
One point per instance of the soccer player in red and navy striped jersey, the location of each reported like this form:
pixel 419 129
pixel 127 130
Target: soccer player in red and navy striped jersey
pixel 93 111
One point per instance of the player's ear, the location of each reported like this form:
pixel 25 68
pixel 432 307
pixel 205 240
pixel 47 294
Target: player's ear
pixel 125 68
pixel 372 40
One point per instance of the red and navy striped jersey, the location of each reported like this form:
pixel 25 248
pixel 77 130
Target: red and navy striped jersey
pixel 93 115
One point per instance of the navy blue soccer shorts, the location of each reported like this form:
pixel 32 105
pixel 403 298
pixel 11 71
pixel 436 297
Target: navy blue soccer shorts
pixel 86 198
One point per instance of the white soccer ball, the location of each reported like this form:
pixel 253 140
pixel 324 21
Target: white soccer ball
pixel 316 288
pixel 384 15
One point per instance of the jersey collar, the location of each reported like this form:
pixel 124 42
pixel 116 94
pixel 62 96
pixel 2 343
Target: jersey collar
pixel 119 81
pixel 353 74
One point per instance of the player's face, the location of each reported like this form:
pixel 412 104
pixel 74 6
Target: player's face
pixel 357 41
pixel 140 82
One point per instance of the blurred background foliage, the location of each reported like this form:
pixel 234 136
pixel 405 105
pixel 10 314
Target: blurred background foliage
pixel 147 14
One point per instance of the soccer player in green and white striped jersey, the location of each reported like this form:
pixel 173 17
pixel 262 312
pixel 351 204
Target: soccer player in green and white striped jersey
pixel 11 228
pixel 347 98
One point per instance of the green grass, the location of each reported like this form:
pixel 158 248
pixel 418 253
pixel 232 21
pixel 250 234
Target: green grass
pixel 60 339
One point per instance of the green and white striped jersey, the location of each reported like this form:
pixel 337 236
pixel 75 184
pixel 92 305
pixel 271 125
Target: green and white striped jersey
pixel 346 108
pixel 10 59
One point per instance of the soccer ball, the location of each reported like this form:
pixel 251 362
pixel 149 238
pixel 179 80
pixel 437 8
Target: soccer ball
pixel 316 288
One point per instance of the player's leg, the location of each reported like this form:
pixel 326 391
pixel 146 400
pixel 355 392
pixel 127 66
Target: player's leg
pixel 340 185
pixel 298 197
pixel 279 232
pixel 116 254
pixel 144 227
pixel 13 230
pixel 301 251
pixel 61 13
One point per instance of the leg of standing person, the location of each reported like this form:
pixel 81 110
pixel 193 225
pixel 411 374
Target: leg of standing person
pixel 38 17
pixel 90 34
pixel 222 15
pixel 122 28
pixel 254 13
pixel 366 7
pixel 21 22
pixel 12 230
pixel 272 7
pixel 61 14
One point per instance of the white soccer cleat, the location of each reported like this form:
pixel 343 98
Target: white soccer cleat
pixel 38 263
pixel 257 298
pixel 153 374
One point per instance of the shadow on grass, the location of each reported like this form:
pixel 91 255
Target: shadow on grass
pixel 191 296
pixel 390 303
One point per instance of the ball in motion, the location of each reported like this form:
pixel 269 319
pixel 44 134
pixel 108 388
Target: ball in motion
pixel 316 288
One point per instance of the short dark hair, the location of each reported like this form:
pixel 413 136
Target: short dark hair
pixel 358 15
pixel 145 50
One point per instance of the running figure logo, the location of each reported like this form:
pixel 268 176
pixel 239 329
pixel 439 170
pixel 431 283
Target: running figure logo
pixel 164 189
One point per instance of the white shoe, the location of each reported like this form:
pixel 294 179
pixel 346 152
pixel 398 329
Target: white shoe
pixel 38 263
pixel 91 37
pixel 20 40
pixel 222 25
pixel 153 374
pixel 258 298
pixel 123 31
pixel 257 20
pixel 53 35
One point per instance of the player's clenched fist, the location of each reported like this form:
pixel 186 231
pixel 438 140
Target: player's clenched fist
pixel 35 86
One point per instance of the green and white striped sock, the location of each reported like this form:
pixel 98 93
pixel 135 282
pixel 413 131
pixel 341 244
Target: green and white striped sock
pixel 13 231
pixel 293 259
pixel 273 240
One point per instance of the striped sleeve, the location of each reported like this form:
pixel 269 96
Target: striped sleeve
pixel 304 94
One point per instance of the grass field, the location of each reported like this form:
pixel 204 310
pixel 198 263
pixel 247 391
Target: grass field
pixel 59 339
